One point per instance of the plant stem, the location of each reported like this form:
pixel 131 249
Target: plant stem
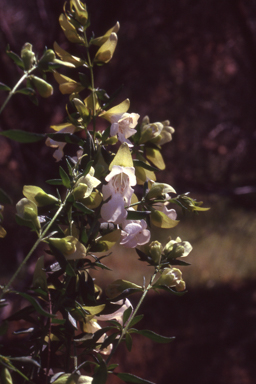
pixel 12 92
pixel 40 238
pixel 90 65
pixel 124 331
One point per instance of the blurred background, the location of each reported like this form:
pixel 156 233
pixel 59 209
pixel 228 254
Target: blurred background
pixel 192 62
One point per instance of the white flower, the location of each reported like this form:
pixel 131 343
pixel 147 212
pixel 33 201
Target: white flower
pixel 171 213
pixel 92 326
pixel 85 185
pixel 117 315
pixel 58 154
pixel 134 233
pixel 123 125
pixel 120 180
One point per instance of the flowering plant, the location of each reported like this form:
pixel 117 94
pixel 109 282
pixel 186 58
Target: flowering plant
pixel 106 196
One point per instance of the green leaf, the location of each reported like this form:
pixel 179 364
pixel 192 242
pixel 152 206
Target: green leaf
pixel 39 277
pixel 65 265
pixel 17 60
pixel 26 91
pixel 64 177
pixel 54 182
pixel 153 336
pixel 87 168
pixel 154 155
pixel 4 198
pixel 26 359
pixel 127 314
pixel 4 87
pixel 22 136
pixel 128 342
pixel 65 138
pixel 3 328
pixel 35 304
pixel 81 207
pixel 84 80
pixel 135 320
pixel 159 219
pixel 137 215
pixel 112 366
pixel 139 163
pixel 100 377
pixel 178 262
pixel 129 378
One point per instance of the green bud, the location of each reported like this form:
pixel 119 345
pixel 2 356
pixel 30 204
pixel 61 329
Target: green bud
pixel 150 131
pixel 79 11
pixel 155 251
pixel 45 89
pixel 28 56
pixel 27 210
pixel 48 57
pixel 70 30
pixel 70 246
pixel 177 248
pixel 106 51
pixel 171 277
pixel 38 196
pixel 80 192
pixel 66 245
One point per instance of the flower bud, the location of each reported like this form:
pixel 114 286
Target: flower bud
pixel 155 251
pixel 172 277
pixel 38 196
pixel 106 51
pixel 48 57
pixel 45 89
pixel 79 11
pixel 28 56
pixel 70 247
pixel 27 211
pixel 150 131
pixel 177 248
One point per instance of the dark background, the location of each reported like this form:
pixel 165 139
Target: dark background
pixel 192 62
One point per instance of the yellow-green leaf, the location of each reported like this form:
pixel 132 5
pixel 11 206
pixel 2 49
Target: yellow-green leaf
pixel 105 242
pixel 123 158
pixel 154 155
pixel 159 219
pixel 38 195
pixel 118 109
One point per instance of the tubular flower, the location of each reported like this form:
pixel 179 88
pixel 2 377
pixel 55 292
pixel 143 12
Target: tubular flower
pixel 120 180
pixel 123 125
pixel 117 315
pixel 162 207
pixel 134 233
pixel 58 154
pixel 85 185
